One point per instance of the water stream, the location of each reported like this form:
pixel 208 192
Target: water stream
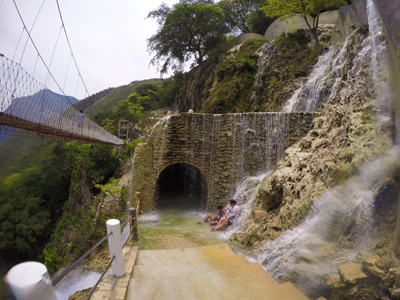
pixel 323 82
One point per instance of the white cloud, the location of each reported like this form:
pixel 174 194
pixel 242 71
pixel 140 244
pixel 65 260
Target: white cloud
pixel 108 38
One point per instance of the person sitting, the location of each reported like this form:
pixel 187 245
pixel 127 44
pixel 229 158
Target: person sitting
pixel 230 217
pixel 214 220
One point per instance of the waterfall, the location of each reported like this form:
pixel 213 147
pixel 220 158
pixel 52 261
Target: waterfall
pixel 163 124
pixel 380 64
pixel 323 83
pixel 340 226
pixel 245 194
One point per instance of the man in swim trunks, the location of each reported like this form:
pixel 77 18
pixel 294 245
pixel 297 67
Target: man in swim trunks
pixel 214 220
pixel 230 217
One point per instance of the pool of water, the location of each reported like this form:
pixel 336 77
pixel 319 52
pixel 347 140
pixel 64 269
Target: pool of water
pixel 168 228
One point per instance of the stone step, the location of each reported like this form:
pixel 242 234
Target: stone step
pixel 284 291
pixel 183 255
pixel 204 266
pixel 239 281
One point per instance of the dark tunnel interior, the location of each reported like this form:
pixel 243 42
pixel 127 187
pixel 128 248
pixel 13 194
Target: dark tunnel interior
pixel 181 185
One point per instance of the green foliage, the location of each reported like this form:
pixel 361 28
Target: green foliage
pixel 245 15
pixel 128 111
pixel 287 8
pixel 33 200
pixel 17 153
pixel 235 75
pixel 111 189
pixel 185 30
pixel 132 107
pixel 258 22
pixel 145 95
pixel 106 100
pixel 169 89
pixel 129 149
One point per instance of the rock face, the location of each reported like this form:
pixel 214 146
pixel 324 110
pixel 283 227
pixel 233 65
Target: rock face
pixel 351 272
pixel 342 137
pixel 349 18
pixel 267 72
pixel 223 148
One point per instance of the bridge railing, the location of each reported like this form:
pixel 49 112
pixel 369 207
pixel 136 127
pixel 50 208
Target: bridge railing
pixel 31 280
pixel 30 106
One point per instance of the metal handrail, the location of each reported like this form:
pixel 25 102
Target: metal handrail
pixel 130 233
pixel 73 265
pixel 101 277
pixel 123 224
pixel 66 271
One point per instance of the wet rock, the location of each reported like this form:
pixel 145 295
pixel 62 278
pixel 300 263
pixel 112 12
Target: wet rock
pixel 390 277
pixel 370 263
pixel 351 273
pixel 80 295
pixel 335 281
pixel 395 293
pixel 260 215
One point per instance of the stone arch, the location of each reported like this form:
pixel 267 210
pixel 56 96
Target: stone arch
pixel 181 184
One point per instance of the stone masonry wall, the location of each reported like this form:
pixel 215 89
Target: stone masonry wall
pixel 225 148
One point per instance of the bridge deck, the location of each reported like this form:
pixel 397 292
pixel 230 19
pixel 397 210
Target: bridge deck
pixel 16 122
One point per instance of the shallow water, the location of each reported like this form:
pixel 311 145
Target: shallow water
pixel 167 228
pixel 77 280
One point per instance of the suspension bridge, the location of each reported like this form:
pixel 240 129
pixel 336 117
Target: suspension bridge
pixel 28 107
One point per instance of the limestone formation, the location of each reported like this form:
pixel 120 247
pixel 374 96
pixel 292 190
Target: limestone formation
pixel 352 272
pixel 333 149
pixel 370 264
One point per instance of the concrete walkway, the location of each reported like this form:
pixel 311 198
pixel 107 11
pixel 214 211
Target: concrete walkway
pixel 208 272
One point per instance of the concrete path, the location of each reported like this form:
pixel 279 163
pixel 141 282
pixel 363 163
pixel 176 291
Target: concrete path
pixel 208 272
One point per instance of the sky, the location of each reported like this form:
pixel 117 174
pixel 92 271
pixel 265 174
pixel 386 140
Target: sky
pixel 108 40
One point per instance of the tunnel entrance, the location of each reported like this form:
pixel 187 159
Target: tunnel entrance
pixel 181 185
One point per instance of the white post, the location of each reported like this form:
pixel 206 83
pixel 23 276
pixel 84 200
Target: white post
pixel 30 281
pixel 115 245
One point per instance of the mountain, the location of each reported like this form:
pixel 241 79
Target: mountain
pixel 42 105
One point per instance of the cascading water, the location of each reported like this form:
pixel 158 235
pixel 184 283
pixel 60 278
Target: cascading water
pixel 340 226
pixel 322 84
pixel 163 123
pixel 245 195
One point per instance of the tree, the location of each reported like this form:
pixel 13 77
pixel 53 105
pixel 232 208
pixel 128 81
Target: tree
pixel 237 12
pixel 257 21
pixel 111 189
pixel 129 149
pixel 186 30
pixel 287 8
pixel 169 89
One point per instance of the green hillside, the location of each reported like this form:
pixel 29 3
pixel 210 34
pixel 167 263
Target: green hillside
pixel 107 99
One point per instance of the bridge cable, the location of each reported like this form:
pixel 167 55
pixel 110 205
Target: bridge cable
pixel 73 56
pixel 52 56
pixel 66 74
pixel 34 69
pixel 37 50
pixel 19 40
pixel 30 31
